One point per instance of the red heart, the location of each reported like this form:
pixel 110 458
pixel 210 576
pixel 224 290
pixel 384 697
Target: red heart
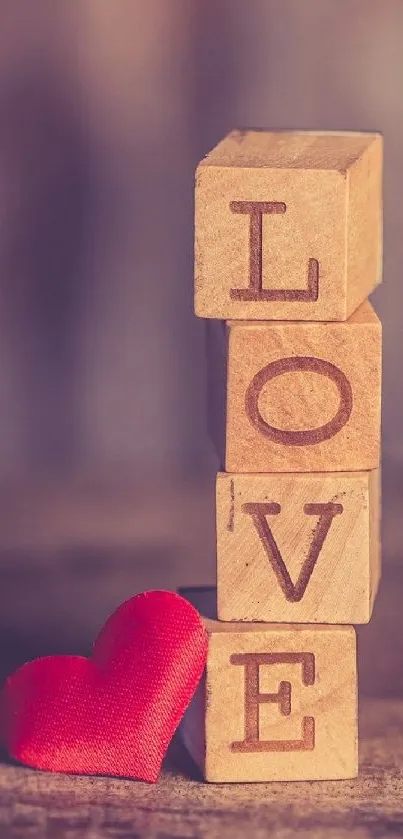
pixel 113 714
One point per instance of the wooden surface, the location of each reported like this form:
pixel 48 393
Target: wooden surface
pixel 304 397
pixel 68 555
pixel 273 706
pixel 35 805
pixel 266 204
pixel 300 548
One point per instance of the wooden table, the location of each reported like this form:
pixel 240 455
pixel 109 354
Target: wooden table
pixel 68 556
pixel 36 805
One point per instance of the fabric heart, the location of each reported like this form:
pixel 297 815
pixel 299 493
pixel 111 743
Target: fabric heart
pixel 113 714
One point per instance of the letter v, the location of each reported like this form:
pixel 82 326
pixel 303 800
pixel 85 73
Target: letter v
pixel 325 512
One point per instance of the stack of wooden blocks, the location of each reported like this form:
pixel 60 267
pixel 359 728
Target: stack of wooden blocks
pixel 288 248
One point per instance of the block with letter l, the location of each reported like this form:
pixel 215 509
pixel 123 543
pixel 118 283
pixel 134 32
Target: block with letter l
pixel 288 225
pixel 278 702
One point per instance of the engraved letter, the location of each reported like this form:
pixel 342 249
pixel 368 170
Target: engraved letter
pixel 291 365
pixel 255 291
pixel 253 698
pixel 326 513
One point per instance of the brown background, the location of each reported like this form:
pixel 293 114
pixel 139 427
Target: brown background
pixel 105 109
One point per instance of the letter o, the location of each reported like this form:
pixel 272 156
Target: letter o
pixel 290 365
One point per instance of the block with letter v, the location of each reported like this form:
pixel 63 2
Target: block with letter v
pixel 297 548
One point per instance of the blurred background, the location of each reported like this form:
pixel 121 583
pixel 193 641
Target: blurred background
pixel 105 109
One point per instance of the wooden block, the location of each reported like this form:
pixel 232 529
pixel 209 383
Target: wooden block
pixel 288 225
pixel 303 397
pixel 300 548
pixel 278 702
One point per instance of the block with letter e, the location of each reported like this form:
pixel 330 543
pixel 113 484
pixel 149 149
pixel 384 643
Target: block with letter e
pixel 288 225
pixel 300 397
pixel 278 702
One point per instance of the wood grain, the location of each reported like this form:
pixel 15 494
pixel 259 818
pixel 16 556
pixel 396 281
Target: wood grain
pixel 298 548
pixel 266 203
pixel 273 706
pixel 303 397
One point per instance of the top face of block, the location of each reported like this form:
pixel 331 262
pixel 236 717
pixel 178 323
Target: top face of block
pixel 288 225
pixel 290 150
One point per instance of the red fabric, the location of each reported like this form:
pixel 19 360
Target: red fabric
pixel 113 714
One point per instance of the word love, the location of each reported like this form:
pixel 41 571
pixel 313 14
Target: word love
pixel 288 246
